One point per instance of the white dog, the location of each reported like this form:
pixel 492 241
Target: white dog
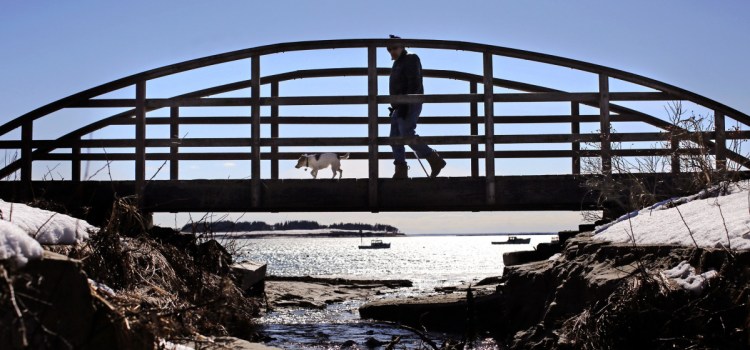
pixel 321 161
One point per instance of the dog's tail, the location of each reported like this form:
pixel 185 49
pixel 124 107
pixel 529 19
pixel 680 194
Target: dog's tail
pixel 345 156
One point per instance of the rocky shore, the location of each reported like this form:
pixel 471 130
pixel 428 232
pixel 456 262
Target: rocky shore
pixel 317 293
pixel 128 287
pixel 121 286
pixel 597 295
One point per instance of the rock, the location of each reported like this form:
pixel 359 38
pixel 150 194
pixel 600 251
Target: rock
pixel 345 282
pixel 489 281
pixel 334 300
pixel 68 314
pixel 301 303
pixel 322 335
pixel 251 277
pixel 348 344
pixel 446 290
pixel 230 343
pixel 289 296
pixel 543 251
pixel 441 312
pixel 372 342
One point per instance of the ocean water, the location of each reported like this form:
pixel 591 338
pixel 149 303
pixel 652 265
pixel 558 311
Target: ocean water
pixel 428 261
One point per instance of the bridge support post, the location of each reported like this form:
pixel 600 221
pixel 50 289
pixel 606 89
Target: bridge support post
pixel 474 130
pixel 372 127
pixel 721 141
pixel 140 141
pixel 27 135
pixel 675 150
pixel 489 127
pixel 275 132
pixel 575 130
pixel 604 122
pixel 255 131
pixel 75 163
pixel 174 148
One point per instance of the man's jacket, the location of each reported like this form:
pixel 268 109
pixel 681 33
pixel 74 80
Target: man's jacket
pixel 406 77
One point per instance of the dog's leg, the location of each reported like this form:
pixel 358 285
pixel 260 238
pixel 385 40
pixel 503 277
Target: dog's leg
pixel 341 172
pixel 335 167
pixel 314 173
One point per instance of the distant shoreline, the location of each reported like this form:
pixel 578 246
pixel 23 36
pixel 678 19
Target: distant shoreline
pixel 366 234
pixel 331 234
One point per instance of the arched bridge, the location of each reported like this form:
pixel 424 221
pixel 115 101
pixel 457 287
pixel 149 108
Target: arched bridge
pixel 481 189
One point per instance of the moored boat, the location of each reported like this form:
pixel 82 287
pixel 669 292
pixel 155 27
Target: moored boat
pixel 376 244
pixel 514 240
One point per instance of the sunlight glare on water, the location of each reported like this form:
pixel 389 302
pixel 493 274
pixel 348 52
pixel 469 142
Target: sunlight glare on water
pixel 428 261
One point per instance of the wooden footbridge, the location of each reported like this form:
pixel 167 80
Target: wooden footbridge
pixel 479 191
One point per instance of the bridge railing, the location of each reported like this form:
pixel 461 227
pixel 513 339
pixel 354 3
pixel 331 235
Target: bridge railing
pixel 604 100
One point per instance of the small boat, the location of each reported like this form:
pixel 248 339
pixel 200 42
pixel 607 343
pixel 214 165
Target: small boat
pixel 376 244
pixel 515 240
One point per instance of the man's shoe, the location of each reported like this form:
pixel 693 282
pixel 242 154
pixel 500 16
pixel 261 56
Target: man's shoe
pixel 402 171
pixel 436 163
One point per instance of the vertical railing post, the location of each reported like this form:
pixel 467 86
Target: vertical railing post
pixel 274 132
pixel 489 127
pixel 174 143
pixel 75 162
pixel 27 135
pixel 140 141
pixel 606 146
pixel 255 131
pixel 674 142
pixel 721 141
pixel 575 131
pixel 372 126
pixel 474 130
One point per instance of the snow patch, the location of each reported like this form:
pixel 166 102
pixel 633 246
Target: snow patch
pixel 662 223
pixel 15 244
pixel 168 345
pixel 683 275
pixel 101 288
pixel 47 227
pixel 555 257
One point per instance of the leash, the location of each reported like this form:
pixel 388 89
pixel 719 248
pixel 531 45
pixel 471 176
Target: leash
pixel 420 163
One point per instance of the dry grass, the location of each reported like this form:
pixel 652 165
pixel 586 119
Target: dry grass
pixel 162 280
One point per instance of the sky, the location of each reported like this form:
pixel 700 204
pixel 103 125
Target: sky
pixel 51 49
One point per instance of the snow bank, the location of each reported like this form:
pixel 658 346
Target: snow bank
pixel 683 275
pixel 17 245
pixel 662 223
pixel 46 226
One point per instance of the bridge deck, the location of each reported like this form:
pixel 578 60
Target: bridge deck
pixel 548 192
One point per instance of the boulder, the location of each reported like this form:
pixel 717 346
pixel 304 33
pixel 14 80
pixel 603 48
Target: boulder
pixel 61 311
pixel 440 312
pixel 250 276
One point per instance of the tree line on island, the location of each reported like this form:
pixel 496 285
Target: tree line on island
pixel 249 226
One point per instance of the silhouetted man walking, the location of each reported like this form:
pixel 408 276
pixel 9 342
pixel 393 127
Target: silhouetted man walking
pixel 406 78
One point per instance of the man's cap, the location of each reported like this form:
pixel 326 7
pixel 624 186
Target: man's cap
pixel 395 42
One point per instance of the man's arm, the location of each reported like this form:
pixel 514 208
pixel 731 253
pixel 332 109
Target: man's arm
pixel 413 73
